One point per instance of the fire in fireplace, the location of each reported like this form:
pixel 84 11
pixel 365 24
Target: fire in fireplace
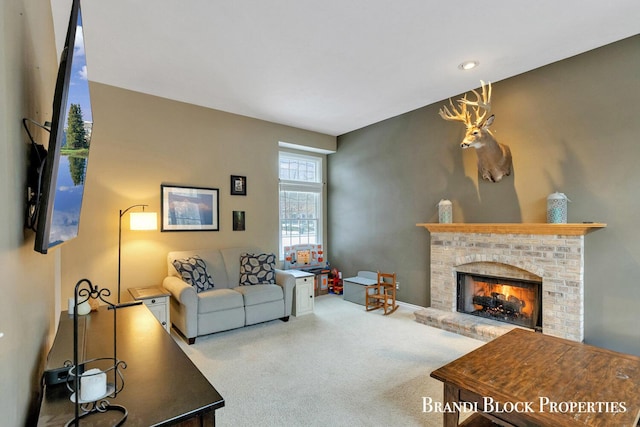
pixel 507 300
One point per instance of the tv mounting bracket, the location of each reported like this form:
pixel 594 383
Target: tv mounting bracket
pixel 37 160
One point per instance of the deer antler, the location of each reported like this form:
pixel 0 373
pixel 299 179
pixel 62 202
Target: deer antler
pixel 462 115
pixel 481 103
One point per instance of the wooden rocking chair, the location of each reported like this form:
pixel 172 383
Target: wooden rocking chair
pixel 383 294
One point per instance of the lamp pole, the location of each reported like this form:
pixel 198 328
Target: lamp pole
pixel 122 212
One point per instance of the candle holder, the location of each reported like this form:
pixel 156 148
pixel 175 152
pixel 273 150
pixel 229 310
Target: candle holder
pixel 92 381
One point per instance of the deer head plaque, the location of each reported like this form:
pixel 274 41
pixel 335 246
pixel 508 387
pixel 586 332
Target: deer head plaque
pixel 494 158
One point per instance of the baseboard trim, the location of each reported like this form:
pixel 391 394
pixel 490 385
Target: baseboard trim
pixel 409 306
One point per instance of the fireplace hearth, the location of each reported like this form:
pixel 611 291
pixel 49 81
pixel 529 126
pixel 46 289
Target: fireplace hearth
pixel 507 300
pixel 552 254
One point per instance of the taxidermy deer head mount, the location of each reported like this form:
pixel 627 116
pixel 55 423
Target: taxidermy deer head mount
pixel 494 158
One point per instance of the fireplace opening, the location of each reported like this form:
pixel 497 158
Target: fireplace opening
pixel 508 300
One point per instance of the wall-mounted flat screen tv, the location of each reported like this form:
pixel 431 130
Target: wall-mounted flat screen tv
pixel 65 166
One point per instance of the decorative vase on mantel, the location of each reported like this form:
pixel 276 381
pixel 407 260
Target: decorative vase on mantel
pixel 557 208
pixel 445 212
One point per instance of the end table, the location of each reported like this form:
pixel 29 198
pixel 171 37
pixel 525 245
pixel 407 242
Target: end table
pixel 304 295
pixel 156 298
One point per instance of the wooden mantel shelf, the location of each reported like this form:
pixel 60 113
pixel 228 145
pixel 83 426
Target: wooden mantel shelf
pixel 578 229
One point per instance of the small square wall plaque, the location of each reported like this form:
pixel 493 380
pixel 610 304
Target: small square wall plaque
pixel 238 185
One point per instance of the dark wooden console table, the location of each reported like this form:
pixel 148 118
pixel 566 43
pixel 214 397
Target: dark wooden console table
pixel 550 373
pixel 162 386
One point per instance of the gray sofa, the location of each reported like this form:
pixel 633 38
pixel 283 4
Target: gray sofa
pixel 228 305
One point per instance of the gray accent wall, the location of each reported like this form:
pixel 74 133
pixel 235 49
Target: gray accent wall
pixel 572 126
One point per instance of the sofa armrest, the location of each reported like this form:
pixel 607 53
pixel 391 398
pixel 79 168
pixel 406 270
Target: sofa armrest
pixel 183 292
pixel 184 305
pixel 288 282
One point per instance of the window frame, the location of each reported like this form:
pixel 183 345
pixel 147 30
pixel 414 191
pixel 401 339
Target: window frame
pixel 316 187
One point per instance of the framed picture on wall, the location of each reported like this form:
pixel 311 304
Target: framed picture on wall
pixel 238 220
pixel 189 208
pixel 238 185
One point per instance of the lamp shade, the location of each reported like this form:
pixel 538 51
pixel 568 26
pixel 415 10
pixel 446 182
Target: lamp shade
pixel 143 221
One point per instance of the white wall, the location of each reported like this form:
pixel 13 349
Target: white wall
pixel 28 67
pixel 140 142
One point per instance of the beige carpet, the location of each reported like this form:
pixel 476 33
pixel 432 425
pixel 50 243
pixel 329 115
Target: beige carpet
pixel 340 366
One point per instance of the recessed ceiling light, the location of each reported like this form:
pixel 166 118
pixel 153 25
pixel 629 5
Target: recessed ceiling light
pixel 468 65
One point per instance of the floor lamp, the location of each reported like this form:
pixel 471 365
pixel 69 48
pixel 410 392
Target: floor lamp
pixel 138 221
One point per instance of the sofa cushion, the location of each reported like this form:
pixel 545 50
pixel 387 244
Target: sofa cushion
pixel 218 300
pixel 259 294
pixel 257 269
pixel 213 260
pixel 231 257
pixel 193 270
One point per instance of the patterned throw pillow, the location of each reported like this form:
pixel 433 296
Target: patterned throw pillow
pixel 194 271
pixel 257 269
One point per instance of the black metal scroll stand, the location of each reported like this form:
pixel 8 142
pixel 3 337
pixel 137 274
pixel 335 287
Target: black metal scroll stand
pixel 106 365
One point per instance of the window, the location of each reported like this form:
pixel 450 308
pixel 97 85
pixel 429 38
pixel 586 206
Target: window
pixel 300 199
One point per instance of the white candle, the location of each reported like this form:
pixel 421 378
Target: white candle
pixel 71 304
pixel 93 385
pixel 84 308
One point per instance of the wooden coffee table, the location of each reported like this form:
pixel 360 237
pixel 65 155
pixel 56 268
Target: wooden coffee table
pixel 525 378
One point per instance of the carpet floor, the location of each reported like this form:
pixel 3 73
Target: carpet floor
pixel 340 366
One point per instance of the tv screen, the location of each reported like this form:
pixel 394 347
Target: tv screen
pixel 65 165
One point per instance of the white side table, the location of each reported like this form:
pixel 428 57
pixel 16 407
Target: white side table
pixel 156 298
pixel 303 292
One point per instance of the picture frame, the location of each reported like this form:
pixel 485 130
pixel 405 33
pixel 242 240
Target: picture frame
pixel 238 221
pixel 238 185
pixel 189 208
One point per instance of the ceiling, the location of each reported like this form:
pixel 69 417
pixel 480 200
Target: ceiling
pixel 331 66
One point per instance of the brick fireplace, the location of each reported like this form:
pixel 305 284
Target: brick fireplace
pixel 552 254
